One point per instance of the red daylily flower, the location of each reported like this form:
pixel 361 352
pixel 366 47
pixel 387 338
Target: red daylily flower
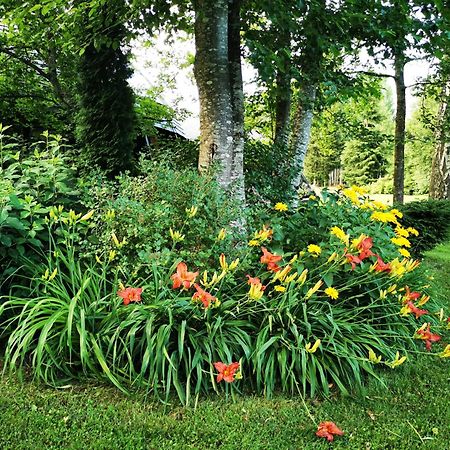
pixel 327 430
pixel 364 246
pixel 205 297
pixel 226 373
pixel 415 310
pixel 183 278
pixel 353 260
pixel 410 295
pixel 270 259
pixel 130 295
pixel 428 337
pixel 255 281
pixel 381 266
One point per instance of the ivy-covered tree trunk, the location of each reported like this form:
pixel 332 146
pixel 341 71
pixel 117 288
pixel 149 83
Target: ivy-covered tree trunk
pixel 440 169
pixel 400 124
pixel 213 82
pixel 218 75
pixel 301 135
pixel 237 99
pixel 283 95
pixel 106 118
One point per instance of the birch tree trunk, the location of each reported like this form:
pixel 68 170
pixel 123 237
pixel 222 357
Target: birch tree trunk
pixel 440 169
pixel 400 124
pixel 301 136
pixel 237 100
pixel 218 74
pixel 213 82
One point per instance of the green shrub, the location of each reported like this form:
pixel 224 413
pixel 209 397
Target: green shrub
pixel 431 218
pixel 140 213
pixel 268 172
pixel 31 182
pixel 320 324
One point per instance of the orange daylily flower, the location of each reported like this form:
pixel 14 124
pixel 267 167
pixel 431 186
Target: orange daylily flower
pixel 226 372
pixel 364 246
pixel 271 260
pixel 410 307
pixel 381 266
pixel 130 295
pixel 328 430
pixel 410 296
pixel 205 297
pixel 426 335
pixel 183 278
pixel 353 260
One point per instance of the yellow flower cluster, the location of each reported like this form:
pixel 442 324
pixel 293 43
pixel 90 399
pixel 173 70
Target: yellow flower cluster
pixel 401 241
pixel 314 249
pixel 340 234
pixel 384 217
pixel 260 236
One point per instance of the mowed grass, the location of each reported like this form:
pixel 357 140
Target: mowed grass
pixel 412 413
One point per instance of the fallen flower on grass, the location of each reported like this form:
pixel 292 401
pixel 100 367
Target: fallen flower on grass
pixel 328 430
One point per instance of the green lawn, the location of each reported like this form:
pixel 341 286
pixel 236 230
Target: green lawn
pixel 414 412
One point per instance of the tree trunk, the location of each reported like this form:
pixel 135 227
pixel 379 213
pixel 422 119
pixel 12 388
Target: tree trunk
pixel 301 136
pixel 237 100
pixel 400 122
pixel 440 169
pixel 211 71
pixel 283 95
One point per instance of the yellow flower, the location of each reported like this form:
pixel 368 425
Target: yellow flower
pixel 402 232
pixel 46 274
pixel 88 215
pixel 401 241
pixel 264 234
pixel 314 249
pixel 293 259
pixel 98 259
pixel 192 211
pixel 380 205
pixel 392 289
pixel 116 241
pixel 358 189
pixel 332 257
pixel 53 275
pixel 222 234
pixel 411 265
pixel 314 348
pixel 233 264
pixel 302 277
pixel 397 268
pixel 314 289
pixel 256 291
pixel 397 213
pixel 332 292
pixel 112 255
pixel 253 243
pixel 73 217
pixel 352 195
pixel 291 278
pixel 423 300
pixel 279 288
pixel 312 197
pixel 176 236
pixel 446 352
pixel 413 231
pixel 397 361
pixel 281 275
pixel 280 207
pixel 404 252
pixel 373 357
pixel 223 262
pixel 384 217
pixel 383 294
pixel 340 234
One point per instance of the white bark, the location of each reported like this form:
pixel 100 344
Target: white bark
pixel 440 170
pixel 301 136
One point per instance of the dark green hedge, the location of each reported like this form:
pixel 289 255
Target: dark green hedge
pixel 431 218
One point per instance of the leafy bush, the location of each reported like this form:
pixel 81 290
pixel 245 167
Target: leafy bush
pixel 432 220
pixel 268 172
pixel 165 214
pixel 32 180
pixel 302 318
